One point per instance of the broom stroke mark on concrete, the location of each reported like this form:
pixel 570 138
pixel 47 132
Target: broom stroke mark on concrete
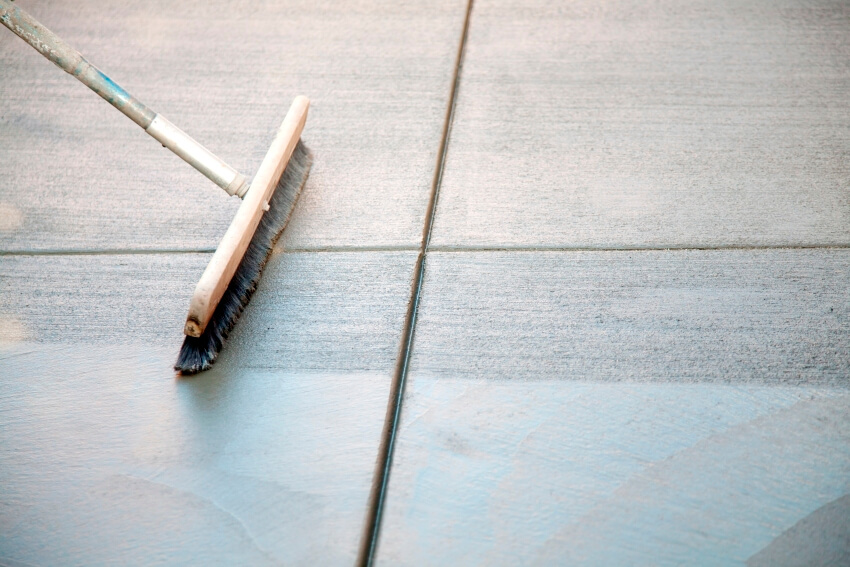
pixel 726 316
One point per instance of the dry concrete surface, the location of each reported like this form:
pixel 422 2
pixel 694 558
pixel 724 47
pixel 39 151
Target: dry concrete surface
pixel 631 343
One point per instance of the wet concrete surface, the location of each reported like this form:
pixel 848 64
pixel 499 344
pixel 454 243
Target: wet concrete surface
pixel 683 401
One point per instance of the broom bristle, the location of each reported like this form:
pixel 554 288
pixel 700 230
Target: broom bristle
pixel 199 353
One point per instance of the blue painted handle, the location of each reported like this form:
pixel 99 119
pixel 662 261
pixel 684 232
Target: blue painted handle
pixel 68 59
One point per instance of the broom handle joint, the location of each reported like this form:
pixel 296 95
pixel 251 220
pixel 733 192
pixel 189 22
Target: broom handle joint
pixel 69 60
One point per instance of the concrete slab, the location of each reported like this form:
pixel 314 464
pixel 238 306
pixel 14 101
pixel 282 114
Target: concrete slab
pixel 614 408
pixel 764 316
pixel 664 125
pixel 106 458
pixel 622 125
pixel 490 472
pixel 78 175
pixel 99 298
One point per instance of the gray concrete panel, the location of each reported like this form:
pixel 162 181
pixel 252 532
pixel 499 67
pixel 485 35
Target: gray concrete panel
pixel 662 124
pixel 78 175
pixel 687 315
pixel 106 458
pixel 586 473
pixel 620 408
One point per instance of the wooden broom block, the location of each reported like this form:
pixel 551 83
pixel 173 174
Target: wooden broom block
pixel 229 253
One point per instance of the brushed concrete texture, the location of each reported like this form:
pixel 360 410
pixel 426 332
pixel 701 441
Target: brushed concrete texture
pixel 661 124
pixel 312 311
pixel 107 459
pixel 761 316
pixel 91 299
pixel 490 472
pixel 78 175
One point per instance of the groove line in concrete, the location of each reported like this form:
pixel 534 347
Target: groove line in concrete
pixel 452 249
pixel 372 527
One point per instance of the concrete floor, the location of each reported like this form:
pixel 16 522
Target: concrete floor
pixel 632 331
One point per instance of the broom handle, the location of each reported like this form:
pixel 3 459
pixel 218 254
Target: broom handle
pixel 68 59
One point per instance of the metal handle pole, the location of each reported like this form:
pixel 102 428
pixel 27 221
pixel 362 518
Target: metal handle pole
pixel 69 60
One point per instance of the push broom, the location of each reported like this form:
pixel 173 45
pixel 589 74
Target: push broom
pixel 231 277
